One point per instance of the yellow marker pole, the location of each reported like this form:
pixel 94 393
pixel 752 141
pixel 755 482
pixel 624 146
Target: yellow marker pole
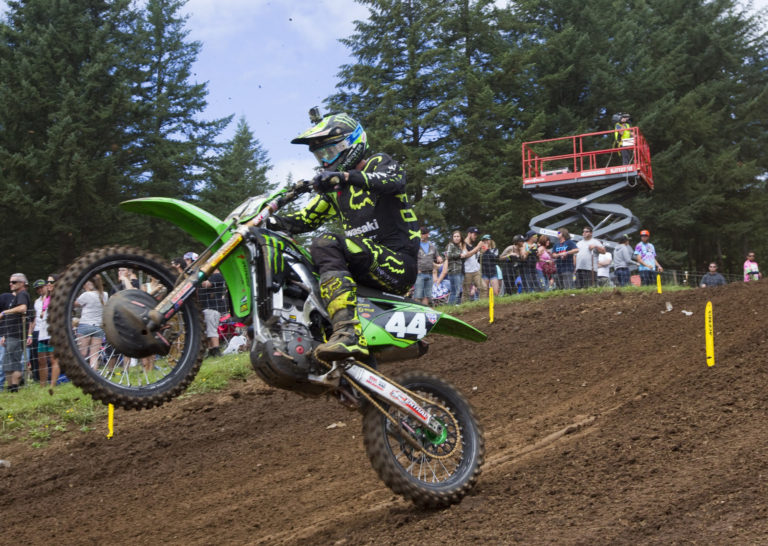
pixel 111 421
pixel 709 330
pixel 658 283
pixel 490 303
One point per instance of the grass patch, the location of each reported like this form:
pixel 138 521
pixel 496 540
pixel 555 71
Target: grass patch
pixel 32 415
pixel 216 373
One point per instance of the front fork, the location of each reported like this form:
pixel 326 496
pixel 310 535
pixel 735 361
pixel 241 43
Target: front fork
pixel 167 308
pixel 382 388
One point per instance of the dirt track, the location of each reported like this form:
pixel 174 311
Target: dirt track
pixel 603 425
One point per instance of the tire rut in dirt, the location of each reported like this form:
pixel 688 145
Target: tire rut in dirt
pixel 100 375
pixel 386 457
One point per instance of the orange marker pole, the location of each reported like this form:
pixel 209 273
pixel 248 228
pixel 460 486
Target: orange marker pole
pixel 709 331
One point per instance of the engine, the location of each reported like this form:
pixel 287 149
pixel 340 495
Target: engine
pixel 281 353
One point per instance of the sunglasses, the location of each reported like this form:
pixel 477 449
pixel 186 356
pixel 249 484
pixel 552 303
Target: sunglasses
pixel 15 282
pixel 50 282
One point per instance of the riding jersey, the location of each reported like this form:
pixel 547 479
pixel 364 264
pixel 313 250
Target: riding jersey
pixel 373 205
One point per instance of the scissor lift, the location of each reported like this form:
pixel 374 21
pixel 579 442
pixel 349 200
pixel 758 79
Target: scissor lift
pixel 583 178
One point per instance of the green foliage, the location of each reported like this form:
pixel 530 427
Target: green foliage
pixel 96 106
pixel 454 88
pixel 239 171
pixel 35 415
pixel 64 103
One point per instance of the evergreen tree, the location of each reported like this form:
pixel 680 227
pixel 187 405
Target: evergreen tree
pixel 172 145
pixel 398 88
pixel 240 171
pixel 64 100
pixel 479 181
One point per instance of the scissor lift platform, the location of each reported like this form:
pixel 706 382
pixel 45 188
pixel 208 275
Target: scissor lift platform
pixel 575 176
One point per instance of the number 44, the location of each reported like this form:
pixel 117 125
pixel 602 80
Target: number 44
pixel 396 325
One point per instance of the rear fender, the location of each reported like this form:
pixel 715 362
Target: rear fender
pixel 401 323
pixel 203 227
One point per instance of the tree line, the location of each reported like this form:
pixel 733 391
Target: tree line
pixel 453 88
pixel 98 104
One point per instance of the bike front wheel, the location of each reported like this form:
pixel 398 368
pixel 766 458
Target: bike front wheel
pixel 94 347
pixel 432 472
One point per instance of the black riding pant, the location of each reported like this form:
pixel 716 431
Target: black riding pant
pixel 369 263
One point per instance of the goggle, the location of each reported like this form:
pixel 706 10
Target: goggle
pixel 330 153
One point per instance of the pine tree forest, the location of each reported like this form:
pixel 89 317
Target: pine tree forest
pixel 98 105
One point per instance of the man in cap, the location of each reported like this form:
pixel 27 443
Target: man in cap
pixel 16 330
pixel 530 257
pixel 472 273
pixel 623 138
pixel 425 263
pixel 645 255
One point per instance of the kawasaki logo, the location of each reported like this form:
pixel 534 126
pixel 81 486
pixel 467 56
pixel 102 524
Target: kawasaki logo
pixel 365 228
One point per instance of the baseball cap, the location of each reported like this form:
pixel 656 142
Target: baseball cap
pixel 190 256
pixel 645 232
pixel 624 237
pixel 529 234
pixel 485 237
pixel 39 283
pixel 473 229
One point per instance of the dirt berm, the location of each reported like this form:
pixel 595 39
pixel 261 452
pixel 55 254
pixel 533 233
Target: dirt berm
pixel 604 424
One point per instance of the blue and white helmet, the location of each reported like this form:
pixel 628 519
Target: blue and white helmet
pixel 338 142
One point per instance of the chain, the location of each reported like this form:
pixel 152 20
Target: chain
pixel 378 406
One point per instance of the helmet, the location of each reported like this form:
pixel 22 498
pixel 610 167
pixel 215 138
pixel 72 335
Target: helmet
pixel 338 142
pixel 616 118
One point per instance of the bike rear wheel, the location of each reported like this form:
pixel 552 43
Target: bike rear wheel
pixel 88 353
pixel 448 467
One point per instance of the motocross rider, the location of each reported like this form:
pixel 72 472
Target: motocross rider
pixel 381 233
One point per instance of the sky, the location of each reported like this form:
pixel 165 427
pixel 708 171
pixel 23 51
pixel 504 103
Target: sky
pixel 270 61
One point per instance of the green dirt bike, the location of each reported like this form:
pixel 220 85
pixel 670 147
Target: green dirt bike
pixel 420 433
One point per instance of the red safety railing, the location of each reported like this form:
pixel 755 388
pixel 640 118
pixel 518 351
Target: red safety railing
pixel 585 158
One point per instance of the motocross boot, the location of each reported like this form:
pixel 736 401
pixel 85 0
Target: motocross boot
pixel 339 293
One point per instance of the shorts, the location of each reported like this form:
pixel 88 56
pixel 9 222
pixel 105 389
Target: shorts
pixel 423 287
pixel 212 319
pixel 90 330
pixel 14 354
pixel 44 347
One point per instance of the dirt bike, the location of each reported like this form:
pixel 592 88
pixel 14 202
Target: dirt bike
pixel 420 433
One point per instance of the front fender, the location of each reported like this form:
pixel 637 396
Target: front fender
pixel 203 227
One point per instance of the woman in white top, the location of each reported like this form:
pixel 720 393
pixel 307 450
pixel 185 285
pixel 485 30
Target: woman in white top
pixel 89 329
pixel 45 358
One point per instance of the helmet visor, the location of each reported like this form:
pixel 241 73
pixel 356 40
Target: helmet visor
pixel 330 153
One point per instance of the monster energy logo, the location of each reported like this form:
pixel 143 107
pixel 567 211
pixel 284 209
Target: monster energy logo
pixel 275 248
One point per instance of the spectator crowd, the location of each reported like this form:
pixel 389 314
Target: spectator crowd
pixel 467 268
pixel 26 353
pixel 471 265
